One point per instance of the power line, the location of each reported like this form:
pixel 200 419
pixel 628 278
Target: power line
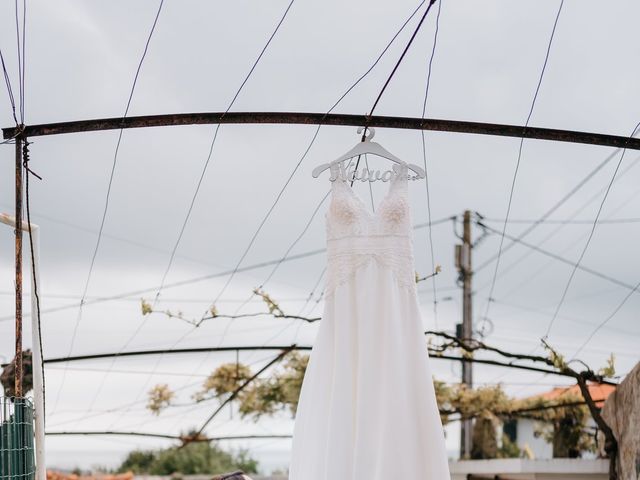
pixel 543 312
pixel 264 220
pixel 287 252
pixel 313 290
pixel 142 245
pixel 108 194
pixel 606 320
pixel 270 275
pixel 533 275
pixel 515 173
pixel 615 221
pixel 559 258
pixel 391 75
pixel 24 59
pixel 20 62
pixel 588 242
pixel 202 278
pixel 199 184
pixel 212 145
pixel 556 206
pixel 179 283
pixel 424 161
pixel 137 299
pixel 103 412
pixel 301 159
pixel 404 52
pixel 7 81
pixel 36 292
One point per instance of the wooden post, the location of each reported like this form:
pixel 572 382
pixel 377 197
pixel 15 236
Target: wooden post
pixel 467 321
pixel 18 261
pixel 465 330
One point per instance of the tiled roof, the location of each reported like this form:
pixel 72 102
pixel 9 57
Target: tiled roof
pixel 599 392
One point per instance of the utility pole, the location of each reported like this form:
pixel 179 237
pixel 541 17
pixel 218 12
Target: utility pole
pixel 465 329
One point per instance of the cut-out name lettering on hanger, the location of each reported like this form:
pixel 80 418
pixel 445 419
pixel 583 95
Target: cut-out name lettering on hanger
pixel 338 171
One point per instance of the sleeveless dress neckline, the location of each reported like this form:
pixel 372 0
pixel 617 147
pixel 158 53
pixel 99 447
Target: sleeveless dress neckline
pixel 392 182
pixel 367 408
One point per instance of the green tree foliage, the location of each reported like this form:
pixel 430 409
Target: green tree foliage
pixel 508 449
pixel 280 392
pixel 564 427
pixel 225 379
pixel 193 458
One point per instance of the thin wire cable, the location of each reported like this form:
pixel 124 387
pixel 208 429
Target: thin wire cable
pixel 311 294
pixel 393 72
pixel 313 291
pixel 613 221
pixel 562 259
pixel 189 281
pixel 605 321
pixel 93 300
pixel 588 242
pixel 532 275
pixel 424 163
pixel 211 147
pixel 286 254
pixel 515 173
pixel 283 258
pixel 199 184
pixel 24 59
pixel 275 268
pixel 108 196
pixel 313 139
pixel 308 148
pixel 7 81
pixel 554 208
pixel 543 312
pixel 404 52
pixel 36 292
pixel 236 269
pixel 19 48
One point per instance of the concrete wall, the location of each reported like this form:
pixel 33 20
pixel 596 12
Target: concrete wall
pixel 523 469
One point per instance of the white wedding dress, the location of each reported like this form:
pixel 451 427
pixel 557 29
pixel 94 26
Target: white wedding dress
pixel 367 408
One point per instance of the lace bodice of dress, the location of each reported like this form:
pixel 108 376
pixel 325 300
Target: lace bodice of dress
pixel 356 236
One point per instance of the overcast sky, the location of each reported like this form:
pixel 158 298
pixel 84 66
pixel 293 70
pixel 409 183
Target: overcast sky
pixel 81 59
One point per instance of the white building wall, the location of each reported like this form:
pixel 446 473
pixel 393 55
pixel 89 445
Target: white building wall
pixel 525 436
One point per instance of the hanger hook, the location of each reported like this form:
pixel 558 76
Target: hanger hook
pixel 371 130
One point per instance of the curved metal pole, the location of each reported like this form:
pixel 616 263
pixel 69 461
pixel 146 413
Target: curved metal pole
pixel 168 436
pixel 306 118
pixel 291 347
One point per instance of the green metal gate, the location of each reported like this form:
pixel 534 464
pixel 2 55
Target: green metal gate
pixel 17 461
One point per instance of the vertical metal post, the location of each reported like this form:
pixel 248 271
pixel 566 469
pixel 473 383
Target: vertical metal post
pixel 466 330
pixel 18 261
pixel 38 380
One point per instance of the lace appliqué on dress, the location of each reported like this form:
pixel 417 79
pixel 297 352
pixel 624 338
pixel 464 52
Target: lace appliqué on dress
pixel 343 267
pixel 356 236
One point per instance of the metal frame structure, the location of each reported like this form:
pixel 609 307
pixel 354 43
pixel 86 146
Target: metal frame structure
pixel 336 119
pixel 21 133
